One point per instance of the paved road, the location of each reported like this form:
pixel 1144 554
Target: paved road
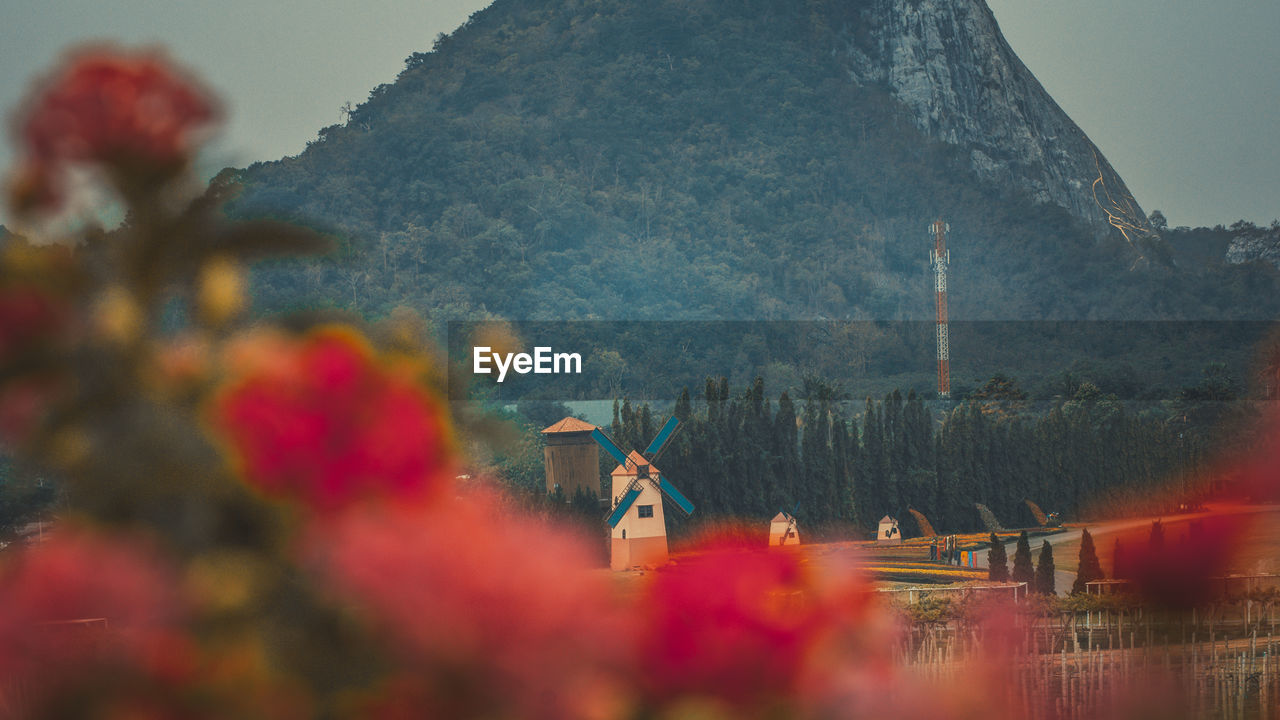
pixel 1063 579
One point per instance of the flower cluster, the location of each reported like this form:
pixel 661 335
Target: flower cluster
pixel 81 608
pixel 129 112
pixel 321 420
pixel 734 623
pixel 29 317
pixel 489 612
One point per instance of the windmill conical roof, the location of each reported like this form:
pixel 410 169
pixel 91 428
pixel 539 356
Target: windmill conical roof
pixel 780 517
pixel 569 425
pixel 633 459
pixel 887 519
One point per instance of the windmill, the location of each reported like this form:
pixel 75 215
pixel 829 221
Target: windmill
pixel 637 525
pixel 783 530
pixel 888 533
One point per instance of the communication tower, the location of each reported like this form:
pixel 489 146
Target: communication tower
pixel 941 257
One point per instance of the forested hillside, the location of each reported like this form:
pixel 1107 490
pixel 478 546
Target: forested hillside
pixel 667 159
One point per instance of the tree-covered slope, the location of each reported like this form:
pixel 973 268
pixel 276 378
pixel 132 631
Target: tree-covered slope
pixel 672 159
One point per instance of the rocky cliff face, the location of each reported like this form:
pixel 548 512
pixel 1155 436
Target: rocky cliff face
pixel 1254 243
pixel 947 61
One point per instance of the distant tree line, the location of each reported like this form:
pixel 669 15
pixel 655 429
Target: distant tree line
pixel 746 455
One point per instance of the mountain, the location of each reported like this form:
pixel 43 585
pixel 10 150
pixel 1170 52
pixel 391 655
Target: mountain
pixel 947 61
pixel 763 159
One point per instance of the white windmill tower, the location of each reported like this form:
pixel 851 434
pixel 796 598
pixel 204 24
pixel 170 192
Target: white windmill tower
pixel 637 524
pixel 888 533
pixel 783 530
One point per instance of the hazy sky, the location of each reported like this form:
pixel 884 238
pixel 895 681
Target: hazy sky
pixel 1182 96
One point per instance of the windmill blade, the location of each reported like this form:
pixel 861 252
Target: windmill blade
pixel 675 495
pixel 609 446
pixel 655 447
pixel 616 516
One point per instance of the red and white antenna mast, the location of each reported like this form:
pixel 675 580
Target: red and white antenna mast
pixel 941 257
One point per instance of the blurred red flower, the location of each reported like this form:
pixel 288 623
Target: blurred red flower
pixel 1179 576
pixel 34 324
pixel 492 613
pixel 24 403
pixel 133 112
pixel 321 420
pixel 78 605
pixel 1258 472
pixel 737 626
pixel 29 316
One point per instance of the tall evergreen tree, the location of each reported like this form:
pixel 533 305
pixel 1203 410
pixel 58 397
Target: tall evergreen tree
pixel 712 396
pixel 1089 568
pixel 1023 571
pixel 786 449
pixel 753 447
pixel 857 488
pixel 840 460
pixel 607 463
pixel 1155 542
pixel 646 429
pixel 684 408
pixel 997 560
pixel 1044 583
pixel 817 461
pixel 1119 563
pixel 919 430
pixel 884 495
pixel 895 441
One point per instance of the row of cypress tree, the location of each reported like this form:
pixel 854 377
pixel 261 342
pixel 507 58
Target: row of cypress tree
pixel 1040 578
pixel 1089 568
pixel 747 456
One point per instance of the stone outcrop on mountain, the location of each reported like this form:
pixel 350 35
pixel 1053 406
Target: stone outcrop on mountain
pixel 947 61
pixel 1250 242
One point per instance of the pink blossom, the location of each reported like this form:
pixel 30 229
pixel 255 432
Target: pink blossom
pixel 491 614
pixel 322 421
pixel 133 112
